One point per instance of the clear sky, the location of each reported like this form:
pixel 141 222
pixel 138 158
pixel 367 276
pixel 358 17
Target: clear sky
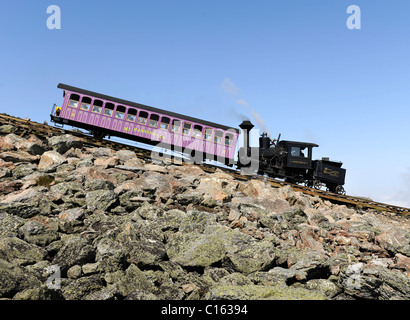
pixel 292 64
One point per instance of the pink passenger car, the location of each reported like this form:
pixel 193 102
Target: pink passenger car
pixel 104 115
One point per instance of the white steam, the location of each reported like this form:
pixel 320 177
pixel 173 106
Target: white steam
pixel 230 88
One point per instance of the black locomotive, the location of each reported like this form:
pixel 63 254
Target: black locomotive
pixel 291 161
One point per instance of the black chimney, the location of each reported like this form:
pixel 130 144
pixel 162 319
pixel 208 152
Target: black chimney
pixel 246 126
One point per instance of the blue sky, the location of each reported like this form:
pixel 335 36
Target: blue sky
pixel 293 64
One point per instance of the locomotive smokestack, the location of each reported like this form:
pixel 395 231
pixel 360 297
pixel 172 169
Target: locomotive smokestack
pixel 246 126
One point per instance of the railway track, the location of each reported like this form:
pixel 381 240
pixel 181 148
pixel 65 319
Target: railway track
pixel 27 127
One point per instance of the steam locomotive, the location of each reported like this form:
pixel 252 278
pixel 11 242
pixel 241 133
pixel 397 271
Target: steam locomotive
pixel 291 161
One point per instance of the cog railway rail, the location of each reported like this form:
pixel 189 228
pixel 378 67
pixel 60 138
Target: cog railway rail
pixel 26 127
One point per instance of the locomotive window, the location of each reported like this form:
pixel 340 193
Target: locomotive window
pixel 73 102
pixel 109 109
pixel 85 104
pixel 153 121
pixel 218 136
pixel 132 115
pixel 208 134
pixel 176 124
pixel 143 117
pixel 186 128
pixel 297 152
pixel 228 139
pixel 197 131
pixel 164 123
pixel 120 112
pixel 97 106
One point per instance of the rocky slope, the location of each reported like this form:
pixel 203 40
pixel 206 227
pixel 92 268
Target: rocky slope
pixel 92 223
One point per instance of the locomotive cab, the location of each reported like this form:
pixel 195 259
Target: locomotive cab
pixel 299 154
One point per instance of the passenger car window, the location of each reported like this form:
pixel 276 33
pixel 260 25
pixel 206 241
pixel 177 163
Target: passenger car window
pixel 186 128
pixel 132 114
pixel 153 121
pixel 164 123
pixel 208 134
pixel 228 139
pixel 120 112
pixel 73 102
pixel 97 106
pixel 85 104
pixel 176 124
pixel 197 131
pixel 218 136
pixel 142 118
pixel 109 109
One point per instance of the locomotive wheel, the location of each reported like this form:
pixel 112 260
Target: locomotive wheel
pixel 317 184
pixel 341 190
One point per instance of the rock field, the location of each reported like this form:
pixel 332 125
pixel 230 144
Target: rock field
pixel 91 223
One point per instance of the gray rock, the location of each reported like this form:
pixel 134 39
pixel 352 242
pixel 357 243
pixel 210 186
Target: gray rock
pixel 21 252
pixel 106 293
pixel 76 250
pixel 146 252
pixel 81 287
pixel 9 224
pixel 127 200
pixel 235 279
pixel 18 156
pixel 23 170
pixel 71 221
pixel 323 286
pixel 196 250
pixel 244 253
pixel 99 184
pixel 42 292
pixel 33 148
pixel 189 196
pixel 67 188
pixel 395 240
pixel 84 163
pixel 14 279
pixel 7 128
pixel 38 233
pixel 256 292
pixel 134 279
pixel 125 155
pixel 374 282
pixel 65 142
pixel 100 199
pixel 50 160
pixel 195 220
pixel 19 209
pixel 5 172
pixel 102 152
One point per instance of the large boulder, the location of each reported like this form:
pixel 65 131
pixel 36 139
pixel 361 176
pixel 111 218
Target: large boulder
pixel 18 156
pixel 258 292
pixel 134 280
pixel 38 233
pixel 76 250
pixel 196 250
pixel 100 199
pixel 9 224
pixel 14 279
pixel 15 249
pixel 50 159
pixel 146 252
pixel 395 240
pixel 374 282
pixel 65 142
